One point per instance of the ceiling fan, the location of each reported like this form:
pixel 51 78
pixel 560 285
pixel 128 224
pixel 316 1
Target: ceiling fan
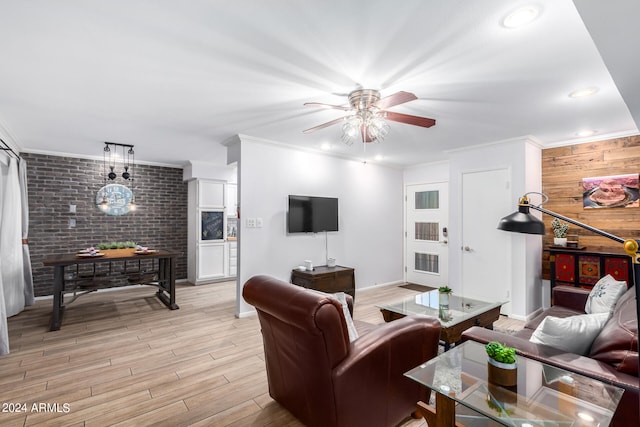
pixel 368 115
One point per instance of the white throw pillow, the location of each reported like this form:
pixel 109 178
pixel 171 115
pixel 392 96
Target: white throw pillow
pixel 353 333
pixel 574 334
pixel 604 295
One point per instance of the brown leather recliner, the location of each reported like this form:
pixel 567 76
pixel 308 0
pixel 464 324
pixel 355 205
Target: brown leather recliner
pixel 325 380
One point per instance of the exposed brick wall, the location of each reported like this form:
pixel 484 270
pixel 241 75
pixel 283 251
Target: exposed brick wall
pixel 54 183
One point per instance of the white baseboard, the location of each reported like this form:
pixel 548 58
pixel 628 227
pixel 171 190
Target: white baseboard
pixel 527 317
pixel 380 285
pixel 246 314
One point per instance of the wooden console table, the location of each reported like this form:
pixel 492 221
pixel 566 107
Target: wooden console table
pixel 579 268
pixel 327 279
pixel 163 277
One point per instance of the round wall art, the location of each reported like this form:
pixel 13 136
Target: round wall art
pixel 118 199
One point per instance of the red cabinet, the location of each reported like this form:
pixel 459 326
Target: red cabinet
pixel 572 267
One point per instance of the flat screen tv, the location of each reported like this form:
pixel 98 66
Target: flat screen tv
pixel 308 214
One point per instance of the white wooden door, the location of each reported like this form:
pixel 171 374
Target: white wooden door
pixel 426 250
pixel 486 257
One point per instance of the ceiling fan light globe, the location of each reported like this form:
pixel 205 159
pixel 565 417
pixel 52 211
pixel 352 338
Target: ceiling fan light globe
pixel 351 127
pixel 346 139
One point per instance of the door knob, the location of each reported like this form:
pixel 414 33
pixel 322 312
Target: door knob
pixel 467 249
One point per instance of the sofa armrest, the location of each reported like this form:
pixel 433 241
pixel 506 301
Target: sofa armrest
pixel 570 297
pixel 569 361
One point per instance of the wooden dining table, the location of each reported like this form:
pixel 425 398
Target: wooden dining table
pixel 112 268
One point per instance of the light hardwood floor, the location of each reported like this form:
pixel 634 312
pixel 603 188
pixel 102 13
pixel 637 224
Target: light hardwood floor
pixel 123 358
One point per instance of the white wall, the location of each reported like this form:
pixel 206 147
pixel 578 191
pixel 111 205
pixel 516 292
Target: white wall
pixel 207 170
pixel 370 214
pixel 427 173
pixel 533 244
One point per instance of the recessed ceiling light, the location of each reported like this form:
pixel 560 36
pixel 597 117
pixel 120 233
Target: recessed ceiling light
pixel 325 146
pixel 379 157
pixel 520 17
pixel 588 91
pixel 585 133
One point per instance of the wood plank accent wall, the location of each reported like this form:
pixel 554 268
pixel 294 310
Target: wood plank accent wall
pixel 562 171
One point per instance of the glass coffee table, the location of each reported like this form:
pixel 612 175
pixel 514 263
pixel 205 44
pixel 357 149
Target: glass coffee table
pixel 461 314
pixel 544 395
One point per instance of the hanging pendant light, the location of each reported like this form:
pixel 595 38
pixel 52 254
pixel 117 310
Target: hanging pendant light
pixel 104 205
pixel 110 164
pixel 129 175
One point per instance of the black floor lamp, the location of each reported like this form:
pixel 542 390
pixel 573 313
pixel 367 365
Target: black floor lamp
pixel 523 222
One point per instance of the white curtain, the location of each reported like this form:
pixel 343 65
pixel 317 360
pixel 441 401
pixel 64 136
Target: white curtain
pixel 11 251
pixel 29 298
pixel 4 332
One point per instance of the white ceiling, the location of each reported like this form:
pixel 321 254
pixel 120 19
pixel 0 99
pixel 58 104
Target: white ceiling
pixel 176 79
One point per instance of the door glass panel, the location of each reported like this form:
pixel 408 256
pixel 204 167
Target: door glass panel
pixel 427 231
pixel 426 262
pixel 427 199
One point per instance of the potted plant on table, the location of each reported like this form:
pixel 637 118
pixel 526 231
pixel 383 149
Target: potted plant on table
pixel 443 296
pixel 560 229
pixel 502 366
pixel 443 302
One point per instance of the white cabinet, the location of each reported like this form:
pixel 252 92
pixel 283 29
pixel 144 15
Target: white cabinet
pixel 207 253
pixel 232 200
pixel 211 194
pixel 233 258
pixel 232 229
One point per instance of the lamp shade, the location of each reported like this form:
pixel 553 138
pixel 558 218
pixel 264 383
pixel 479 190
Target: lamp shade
pixel 522 222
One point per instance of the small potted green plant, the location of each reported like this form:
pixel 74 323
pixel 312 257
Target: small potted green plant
pixel 443 297
pixel 502 366
pixel 560 229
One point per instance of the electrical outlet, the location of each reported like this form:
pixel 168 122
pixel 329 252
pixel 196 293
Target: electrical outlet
pixel 72 208
pixel 251 223
pixel 72 223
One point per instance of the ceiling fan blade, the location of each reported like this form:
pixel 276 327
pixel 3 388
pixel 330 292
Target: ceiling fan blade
pixel 409 119
pixel 324 125
pixel 327 106
pixel 395 99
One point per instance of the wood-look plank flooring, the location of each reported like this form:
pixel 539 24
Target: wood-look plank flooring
pixel 122 358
